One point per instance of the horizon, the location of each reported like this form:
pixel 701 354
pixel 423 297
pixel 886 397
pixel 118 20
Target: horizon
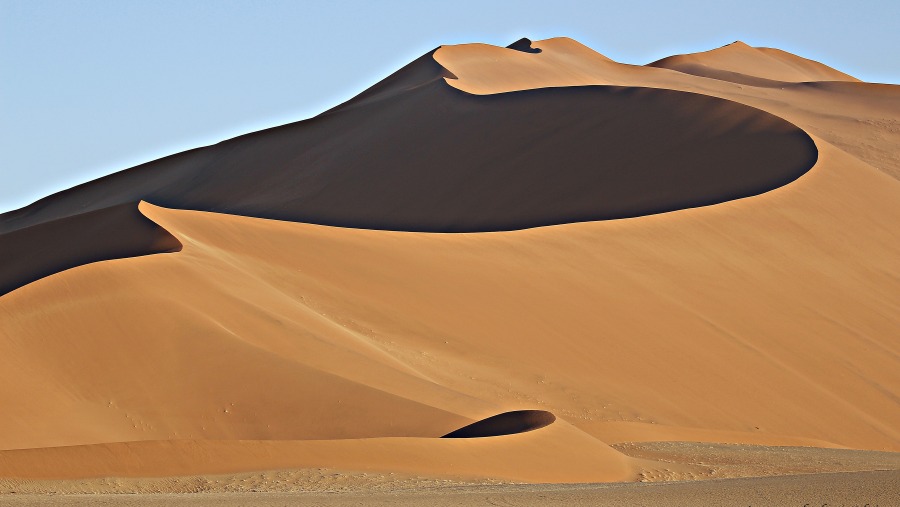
pixel 124 105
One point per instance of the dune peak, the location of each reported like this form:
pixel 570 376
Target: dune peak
pixel 524 45
pixel 739 62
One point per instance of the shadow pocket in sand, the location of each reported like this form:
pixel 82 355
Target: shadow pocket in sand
pixel 507 423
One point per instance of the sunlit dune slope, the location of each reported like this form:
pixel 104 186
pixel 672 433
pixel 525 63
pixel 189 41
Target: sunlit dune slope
pixel 473 324
pixel 740 63
pixel 554 454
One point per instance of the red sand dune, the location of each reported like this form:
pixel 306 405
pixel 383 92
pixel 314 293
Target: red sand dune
pixel 416 155
pixel 740 63
pixel 749 297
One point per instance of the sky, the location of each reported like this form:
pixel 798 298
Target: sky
pixel 88 88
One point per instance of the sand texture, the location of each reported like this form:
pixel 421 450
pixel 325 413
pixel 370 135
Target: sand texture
pixel 576 270
pixel 861 488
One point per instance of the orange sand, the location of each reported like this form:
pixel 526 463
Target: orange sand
pixel 266 344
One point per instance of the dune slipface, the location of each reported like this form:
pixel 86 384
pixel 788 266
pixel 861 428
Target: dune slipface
pixel 635 258
pixel 422 156
pixel 119 231
pixel 416 155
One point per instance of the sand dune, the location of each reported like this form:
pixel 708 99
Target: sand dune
pixel 430 158
pixel 507 423
pixel 456 163
pixel 859 118
pixel 749 298
pixel 119 231
pixel 740 63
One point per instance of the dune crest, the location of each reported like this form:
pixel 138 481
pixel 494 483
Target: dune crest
pixel 740 63
pixel 844 113
pixel 41 250
pixel 474 163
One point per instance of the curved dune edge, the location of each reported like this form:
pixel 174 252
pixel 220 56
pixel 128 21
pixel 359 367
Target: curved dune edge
pixel 39 251
pixel 555 454
pixel 740 63
pixel 825 189
pixel 414 154
pixel 843 113
pixel 507 423
pixel 485 69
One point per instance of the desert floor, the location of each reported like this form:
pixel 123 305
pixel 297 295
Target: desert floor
pixel 878 488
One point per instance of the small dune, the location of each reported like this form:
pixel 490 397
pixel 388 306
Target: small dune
pixel 507 423
pixel 119 231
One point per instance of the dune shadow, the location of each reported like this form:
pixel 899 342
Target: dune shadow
pixel 414 154
pixel 507 423
pixel 524 45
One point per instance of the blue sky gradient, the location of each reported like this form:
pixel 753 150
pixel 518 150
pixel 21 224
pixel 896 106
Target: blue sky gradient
pixel 93 87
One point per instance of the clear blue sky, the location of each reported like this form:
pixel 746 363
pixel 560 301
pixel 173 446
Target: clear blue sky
pixel 91 87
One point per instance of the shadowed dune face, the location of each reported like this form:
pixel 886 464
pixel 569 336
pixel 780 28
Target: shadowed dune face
pixel 507 423
pixel 436 159
pixel 524 45
pixel 120 231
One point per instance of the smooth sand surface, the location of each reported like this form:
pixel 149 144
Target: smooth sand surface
pixel 740 63
pixel 768 318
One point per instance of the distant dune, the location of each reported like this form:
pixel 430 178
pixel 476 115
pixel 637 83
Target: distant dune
pixel 565 264
pixel 740 63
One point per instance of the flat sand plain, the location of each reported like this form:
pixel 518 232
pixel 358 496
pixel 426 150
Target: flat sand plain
pixel 872 489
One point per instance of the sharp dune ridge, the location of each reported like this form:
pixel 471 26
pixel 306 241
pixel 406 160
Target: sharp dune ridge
pixel 701 249
pixel 50 247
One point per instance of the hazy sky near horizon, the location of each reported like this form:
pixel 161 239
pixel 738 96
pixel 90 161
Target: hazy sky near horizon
pixel 92 87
